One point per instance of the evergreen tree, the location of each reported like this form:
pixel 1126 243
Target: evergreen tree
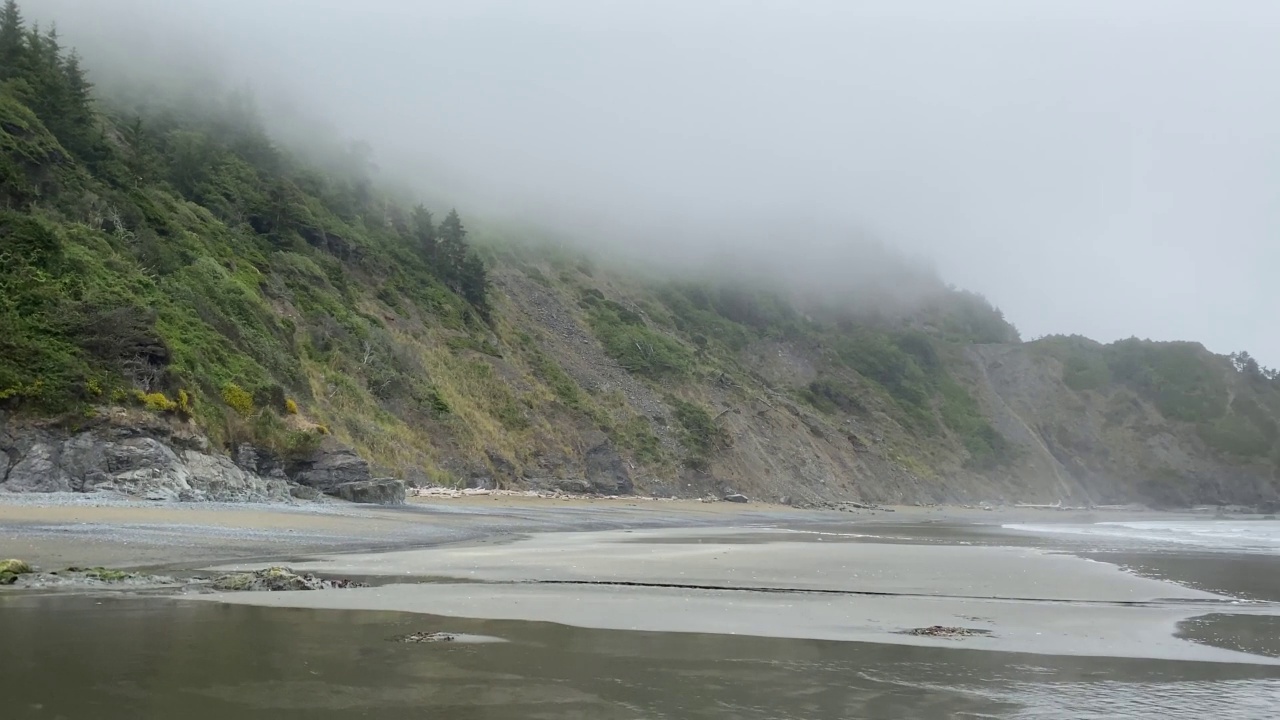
pixel 451 250
pixel 424 235
pixel 458 266
pixel 473 283
pixel 11 40
pixel 138 151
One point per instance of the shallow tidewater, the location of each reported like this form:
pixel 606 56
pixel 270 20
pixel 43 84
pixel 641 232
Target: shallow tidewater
pixel 117 658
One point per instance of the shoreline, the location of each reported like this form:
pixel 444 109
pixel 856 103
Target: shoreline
pixel 661 566
pixel 110 530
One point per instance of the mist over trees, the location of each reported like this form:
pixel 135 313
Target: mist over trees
pixel 988 147
pixel 136 233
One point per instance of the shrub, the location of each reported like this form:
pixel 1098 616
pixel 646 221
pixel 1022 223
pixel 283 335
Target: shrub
pixel 830 396
pixel 700 434
pixel 300 444
pixel 637 348
pixel 237 398
pixel 157 402
pixel 184 404
pixel 290 406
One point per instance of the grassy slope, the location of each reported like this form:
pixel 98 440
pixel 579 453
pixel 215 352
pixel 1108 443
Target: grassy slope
pixel 194 269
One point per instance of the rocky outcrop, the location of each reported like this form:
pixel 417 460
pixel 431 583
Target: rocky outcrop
pixel 330 466
pixel 381 491
pixel 277 579
pixel 127 453
pixel 141 455
pixel 606 472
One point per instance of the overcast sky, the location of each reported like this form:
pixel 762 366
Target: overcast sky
pixel 1103 167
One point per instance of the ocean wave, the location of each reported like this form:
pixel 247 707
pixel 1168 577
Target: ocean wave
pixel 1241 535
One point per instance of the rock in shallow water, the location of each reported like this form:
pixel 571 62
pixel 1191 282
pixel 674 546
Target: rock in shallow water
pixel 947 632
pixel 426 637
pixel 277 579
pixel 11 569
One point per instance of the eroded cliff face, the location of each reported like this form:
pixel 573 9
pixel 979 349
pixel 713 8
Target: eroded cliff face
pixel 144 456
pixel 1107 444
pixel 262 303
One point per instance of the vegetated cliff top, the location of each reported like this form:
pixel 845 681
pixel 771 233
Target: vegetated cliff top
pixel 177 259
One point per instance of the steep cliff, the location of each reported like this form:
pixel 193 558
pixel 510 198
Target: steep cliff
pixel 173 260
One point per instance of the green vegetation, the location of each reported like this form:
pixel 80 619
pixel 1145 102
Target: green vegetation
pixel 1232 403
pixel 832 396
pixel 636 346
pixel 11 569
pixel 699 433
pixel 175 258
pixel 103 574
pixel 171 258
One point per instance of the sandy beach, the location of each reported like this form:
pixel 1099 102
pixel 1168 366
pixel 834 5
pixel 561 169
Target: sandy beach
pixel 594 608
pixel 657 565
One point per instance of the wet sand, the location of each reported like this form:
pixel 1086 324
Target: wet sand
pixel 1023 600
pixel 631 608
pixel 123 658
pixel 62 529
pixel 678 566
pixel 71 529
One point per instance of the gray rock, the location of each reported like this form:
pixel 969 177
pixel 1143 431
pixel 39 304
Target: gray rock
pixel 276 579
pixel 38 471
pixel 332 465
pixel 606 471
pixel 416 478
pixel 302 492
pixel 382 491
pixel 736 498
pixel 573 486
pixel 134 460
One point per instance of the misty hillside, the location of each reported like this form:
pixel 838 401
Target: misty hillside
pixel 171 257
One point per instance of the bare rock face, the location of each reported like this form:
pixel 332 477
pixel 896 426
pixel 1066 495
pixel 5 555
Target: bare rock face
pixel 337 470
pixel 381 491
pixel 606 472
pixel 139 460
pixel 37 470
pixel 330 466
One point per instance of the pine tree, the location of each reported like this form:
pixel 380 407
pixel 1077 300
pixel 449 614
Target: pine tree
pixel 458 266
pixel 11 40
pixel 451 250
pixel 424 235
pixel 473 283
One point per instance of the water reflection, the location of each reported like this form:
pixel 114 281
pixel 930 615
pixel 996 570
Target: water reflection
pixel 83 657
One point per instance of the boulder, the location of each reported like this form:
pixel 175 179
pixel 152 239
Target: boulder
pixel 330 466
pixel 277 579
pixel 11 569
pixel 736 498
pixel 606 472
pixel 381 491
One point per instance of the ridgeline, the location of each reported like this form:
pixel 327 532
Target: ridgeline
pixel 172 265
